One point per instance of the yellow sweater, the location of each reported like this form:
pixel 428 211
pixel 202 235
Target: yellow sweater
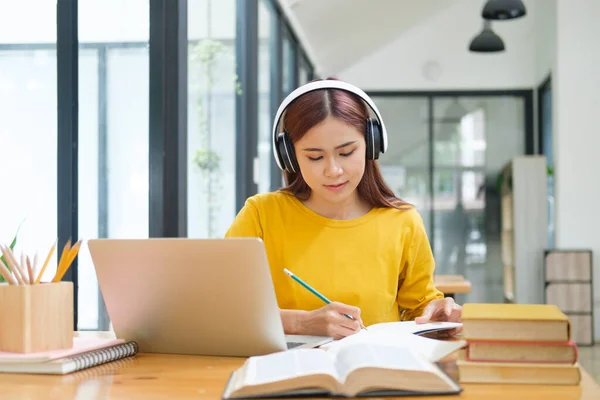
pixel 380 262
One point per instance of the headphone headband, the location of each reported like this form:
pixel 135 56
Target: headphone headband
pixel 324 84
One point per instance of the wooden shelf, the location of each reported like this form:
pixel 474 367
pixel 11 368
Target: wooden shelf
pixel 524 226
pixel 568 284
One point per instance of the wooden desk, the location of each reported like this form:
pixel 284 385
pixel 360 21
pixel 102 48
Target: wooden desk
pixel 150 376
pixel 451 284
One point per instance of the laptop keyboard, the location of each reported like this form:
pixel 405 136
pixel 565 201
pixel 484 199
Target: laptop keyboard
pixel 291 345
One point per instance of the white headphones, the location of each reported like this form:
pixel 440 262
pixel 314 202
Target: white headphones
pixel 375 135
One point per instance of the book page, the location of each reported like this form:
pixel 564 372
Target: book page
pixel 412 327
pixel 288 364
pixel 373 332
pixel 363 355
pixel 432 349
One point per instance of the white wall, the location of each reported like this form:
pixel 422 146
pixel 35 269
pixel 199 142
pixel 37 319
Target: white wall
pixel 434 54
pixel 544 19
pixel 576 101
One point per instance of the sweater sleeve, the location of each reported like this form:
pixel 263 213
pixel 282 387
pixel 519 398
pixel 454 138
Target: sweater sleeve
pixel 247 222
pixel 415 286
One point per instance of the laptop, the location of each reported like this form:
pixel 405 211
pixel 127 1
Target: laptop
pixel 193 296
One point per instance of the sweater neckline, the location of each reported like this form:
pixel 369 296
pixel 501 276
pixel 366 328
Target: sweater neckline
pixel 335 223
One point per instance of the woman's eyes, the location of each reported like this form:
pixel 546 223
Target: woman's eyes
pixel 348 154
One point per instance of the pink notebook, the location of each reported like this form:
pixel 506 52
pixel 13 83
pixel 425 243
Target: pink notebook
pixel 80 345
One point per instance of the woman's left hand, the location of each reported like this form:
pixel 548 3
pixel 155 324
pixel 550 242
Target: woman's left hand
pixel 442 310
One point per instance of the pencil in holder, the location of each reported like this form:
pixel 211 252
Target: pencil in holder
pixel 36 317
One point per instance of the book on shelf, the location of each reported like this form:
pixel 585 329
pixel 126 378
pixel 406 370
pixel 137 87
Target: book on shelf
pixel 365 367
pixel 85 353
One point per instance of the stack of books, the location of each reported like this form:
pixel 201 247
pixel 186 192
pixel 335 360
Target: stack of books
pixel 517 343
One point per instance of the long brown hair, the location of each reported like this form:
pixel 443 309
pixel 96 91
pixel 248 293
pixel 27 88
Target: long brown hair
pixel 311 109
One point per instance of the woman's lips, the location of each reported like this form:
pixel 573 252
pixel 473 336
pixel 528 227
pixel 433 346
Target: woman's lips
pixel 335 188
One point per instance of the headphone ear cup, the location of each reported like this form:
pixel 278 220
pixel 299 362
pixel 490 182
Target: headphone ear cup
pixel 287 153
pixel 369 139
pixel 377 138
pixel 373 139
pixel 279 151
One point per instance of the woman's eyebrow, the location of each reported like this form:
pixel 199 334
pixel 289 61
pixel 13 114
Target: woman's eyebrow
pixel 337 147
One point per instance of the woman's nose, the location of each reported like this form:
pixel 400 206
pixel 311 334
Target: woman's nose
pixel 333 169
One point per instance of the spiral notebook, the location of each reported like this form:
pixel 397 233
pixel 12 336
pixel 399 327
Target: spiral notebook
pixel 82 356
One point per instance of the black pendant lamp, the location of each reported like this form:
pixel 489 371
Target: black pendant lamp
pixel 487 41
pixel 503 9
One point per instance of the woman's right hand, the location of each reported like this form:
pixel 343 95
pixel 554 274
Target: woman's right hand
pixel 330 320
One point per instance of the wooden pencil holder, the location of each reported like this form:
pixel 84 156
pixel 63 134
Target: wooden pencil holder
pixel 36 317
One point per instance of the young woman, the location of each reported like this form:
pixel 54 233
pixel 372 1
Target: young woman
pixel 336 224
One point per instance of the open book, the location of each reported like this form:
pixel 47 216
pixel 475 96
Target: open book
pixel 399 333
pixel 351 370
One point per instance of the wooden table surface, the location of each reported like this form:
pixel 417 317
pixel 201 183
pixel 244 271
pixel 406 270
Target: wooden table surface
pixel 153 376
pixel 452 284
pixel 159 376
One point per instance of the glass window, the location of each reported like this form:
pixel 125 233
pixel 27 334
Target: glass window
pixel 113 135
pixel 266 17
pixel 405 165
pixel 546 125
pixel 474 138
pixel 287 80
pixel 304 71
pixel 302 74
pixel 213 86
pixel 456 190
pixel 20 26
pixel 28 132
pixel 546 145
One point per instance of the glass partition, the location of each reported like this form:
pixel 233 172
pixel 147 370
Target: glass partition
pixel 474 137
pixel 445 154
pixel 545 129
pixel 405 166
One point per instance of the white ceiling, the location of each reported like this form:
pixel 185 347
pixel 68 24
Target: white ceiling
pixel 338 33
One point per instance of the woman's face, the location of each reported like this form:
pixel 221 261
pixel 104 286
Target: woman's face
pixel 331 156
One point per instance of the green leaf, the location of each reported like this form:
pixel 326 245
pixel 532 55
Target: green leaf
pixel 207 160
